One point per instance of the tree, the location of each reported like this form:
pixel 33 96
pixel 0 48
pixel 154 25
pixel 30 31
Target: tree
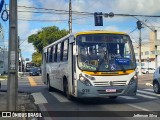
pixel 43 38
pixel 46 36
pixel 37 58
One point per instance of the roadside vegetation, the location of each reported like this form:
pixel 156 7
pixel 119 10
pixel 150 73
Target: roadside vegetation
pixel 42 38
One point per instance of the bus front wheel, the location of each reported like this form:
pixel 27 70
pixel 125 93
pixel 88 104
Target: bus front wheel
pixel 48 84
pixel 66 90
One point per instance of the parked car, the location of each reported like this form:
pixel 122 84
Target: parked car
pixel 156 80
pixel 34 72
pixel 148 70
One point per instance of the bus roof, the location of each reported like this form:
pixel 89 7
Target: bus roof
pixel 99 32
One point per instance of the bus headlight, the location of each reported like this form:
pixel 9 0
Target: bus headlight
pixel 133 79
pixel 90 77
pixel 84 80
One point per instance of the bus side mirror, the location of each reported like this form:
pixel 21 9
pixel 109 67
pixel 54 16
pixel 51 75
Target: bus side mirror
pixel 75 50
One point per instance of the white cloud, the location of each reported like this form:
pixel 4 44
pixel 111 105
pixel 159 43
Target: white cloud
pixel 114 28
pixel 149 7
pixel 24 26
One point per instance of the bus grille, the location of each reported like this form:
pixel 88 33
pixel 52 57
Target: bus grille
pixel 108 83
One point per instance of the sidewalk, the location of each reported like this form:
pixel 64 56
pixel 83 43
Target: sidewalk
pixel 24 103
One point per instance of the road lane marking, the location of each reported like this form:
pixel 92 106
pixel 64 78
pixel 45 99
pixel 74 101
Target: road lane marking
pixel 39 98
pixel 149 90
pixel 138 107
pixel 141 108
pixel 145 96
pixel 149 93
pixel 32 81
pixel 43 108
pixel 149 84
pixel 59 97
pixel 128 97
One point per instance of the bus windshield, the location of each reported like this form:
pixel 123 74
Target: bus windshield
pixel 105 52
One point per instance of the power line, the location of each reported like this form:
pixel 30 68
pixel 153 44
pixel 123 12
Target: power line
pixel 47 20
pixel 39 8
pixel 132 30
pixel 89 13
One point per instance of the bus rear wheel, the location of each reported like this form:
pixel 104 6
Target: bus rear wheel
pixel 66 90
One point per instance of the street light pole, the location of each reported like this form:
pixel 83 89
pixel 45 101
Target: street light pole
pixel 70 16
pixel 156 53
pixel 12 83
pixel 140 62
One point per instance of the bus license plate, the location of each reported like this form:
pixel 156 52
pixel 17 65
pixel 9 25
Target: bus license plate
pixel 110 90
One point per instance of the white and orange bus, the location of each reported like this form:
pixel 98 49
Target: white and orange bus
pixel 91 64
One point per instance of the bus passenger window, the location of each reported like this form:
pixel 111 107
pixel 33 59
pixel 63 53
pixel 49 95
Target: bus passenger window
pixel 65 51
pixel 58 52
pixel 47 55
pixel 55 54
pixel 61 52
pixel 50 54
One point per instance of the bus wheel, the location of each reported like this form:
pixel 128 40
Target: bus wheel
pixel 113 97
pixel 66 90
pixel 48 84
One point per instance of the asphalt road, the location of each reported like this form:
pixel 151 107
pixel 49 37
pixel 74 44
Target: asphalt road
pixel 145 103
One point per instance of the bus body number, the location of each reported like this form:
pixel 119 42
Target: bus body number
pixel 85 90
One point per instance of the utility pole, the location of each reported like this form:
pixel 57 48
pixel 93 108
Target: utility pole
pixel 139 26
pixel 70 16
pixel 12 85
pixel 156 53
pixel 140 62
pixel 155 40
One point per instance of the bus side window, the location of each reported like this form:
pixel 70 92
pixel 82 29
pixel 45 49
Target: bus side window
pixel 47 55
pixel 65 51
pixel 50 54
pixel 58 52
pixel 55 54
pixel 61 53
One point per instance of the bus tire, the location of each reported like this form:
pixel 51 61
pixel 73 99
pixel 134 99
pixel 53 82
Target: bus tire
pixel 48 84
pixel 113 97
pixel 66 90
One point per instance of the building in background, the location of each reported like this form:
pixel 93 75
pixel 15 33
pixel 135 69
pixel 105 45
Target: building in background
pixel 3 61
pixel 148 52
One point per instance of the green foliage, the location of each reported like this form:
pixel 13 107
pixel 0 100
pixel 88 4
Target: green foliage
pixel 37 58
pixel 43 38
pixel 46 36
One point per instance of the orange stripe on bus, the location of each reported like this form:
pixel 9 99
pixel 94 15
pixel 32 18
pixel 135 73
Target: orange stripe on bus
pixel 109 73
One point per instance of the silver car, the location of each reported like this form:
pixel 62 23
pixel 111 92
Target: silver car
pixel 156 80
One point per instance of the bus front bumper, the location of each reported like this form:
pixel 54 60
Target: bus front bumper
pixel 84 91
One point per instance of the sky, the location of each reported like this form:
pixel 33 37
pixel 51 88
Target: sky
pixel 82 22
